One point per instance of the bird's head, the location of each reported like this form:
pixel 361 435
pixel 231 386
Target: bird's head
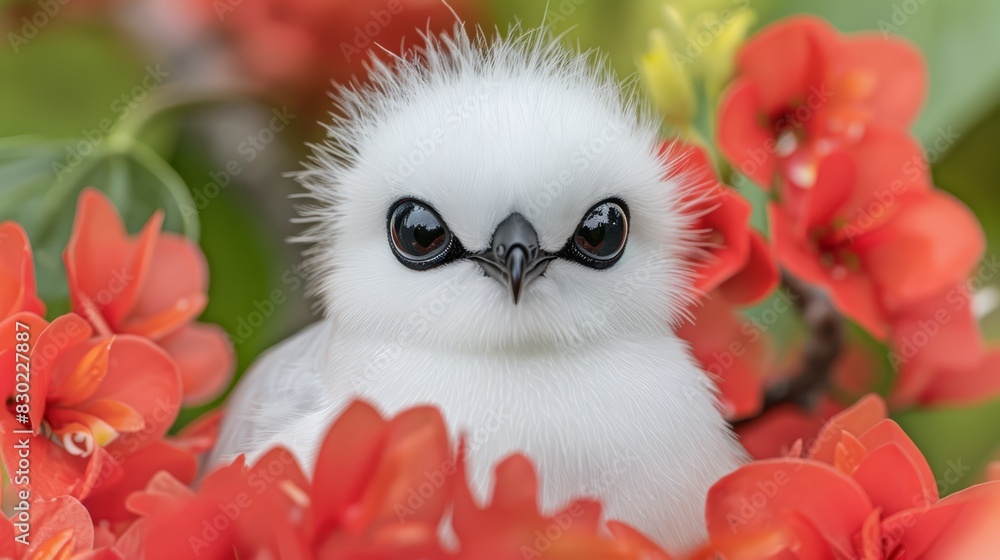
pixel 495 195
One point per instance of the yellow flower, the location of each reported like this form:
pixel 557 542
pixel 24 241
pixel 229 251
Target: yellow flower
pixel 668 82
pixel 693 52
pixel 720 53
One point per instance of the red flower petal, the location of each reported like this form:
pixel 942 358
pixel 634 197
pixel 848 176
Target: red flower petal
pixel 205 358
pixel 965 386
pixel 75 427
pixel 848 454
pixel 173 292
pixel 758 277
pixel 17 273
pixel 265 506
pixel 962 525
pixel 54 472
pixel 886 75
pixel 773 434
pixel 638 545
pixel 747 141
pixel 367 475
pixel 721 215
pixel 108 502
pixel 889 168
pixel 104 267
pixel 794 534
pixel 786 59
pixel 510 524
pixel 937 333
pixel 346 462
pixel 728 237
pixel 37 367
pixel 816 207
pixel 888 432
pixel 932 243
pixel 757 496
pixel 86 374
pixel 163 491
pixel 737 358
pixel 851 290
pixel 116 414
pixel 143 377
pixel 416 453
pixel 856 420
pixel 872 538
pixel 891 480
pixel 56 519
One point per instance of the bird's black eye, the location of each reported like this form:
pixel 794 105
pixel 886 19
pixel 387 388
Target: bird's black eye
pixel 600 237
pixel 419 237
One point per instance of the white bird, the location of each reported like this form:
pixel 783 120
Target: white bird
pixel 493 233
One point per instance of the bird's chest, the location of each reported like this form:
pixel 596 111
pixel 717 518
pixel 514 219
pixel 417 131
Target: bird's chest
pixel 591 417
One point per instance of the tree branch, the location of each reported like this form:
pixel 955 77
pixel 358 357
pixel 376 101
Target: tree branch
pixel 826 340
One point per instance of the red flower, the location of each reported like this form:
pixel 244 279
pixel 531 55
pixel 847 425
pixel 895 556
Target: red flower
pixel 635 544
pixel 108 503
pixel 298 47
pixel 382 486
pixel 939 354
pixel 17 273
pixel 930 243
pixel 238 510
pixel 862 490
pixel 823 117
pixel 90 401
pixel 804 91
pixel 734 258
pixel 734 351
pixel 780 429
pixel 734 268
pixel 380 490
pixel 57 529
pixel 152 285
pixel 512 527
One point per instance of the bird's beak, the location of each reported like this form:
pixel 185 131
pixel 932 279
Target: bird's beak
pixel 514 258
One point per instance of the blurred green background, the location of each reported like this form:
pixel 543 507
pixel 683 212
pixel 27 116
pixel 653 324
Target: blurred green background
pixel 67 79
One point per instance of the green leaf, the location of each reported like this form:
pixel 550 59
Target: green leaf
pixel 40 187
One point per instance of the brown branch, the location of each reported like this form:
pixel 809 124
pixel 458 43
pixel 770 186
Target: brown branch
pixel 826 340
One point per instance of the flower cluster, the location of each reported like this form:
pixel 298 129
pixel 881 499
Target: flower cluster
pixel 861 489
pixel 90 396
pixel 381 489
pixel 819 120
pixel 383 486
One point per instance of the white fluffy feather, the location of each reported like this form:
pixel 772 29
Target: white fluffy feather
pixel 585 374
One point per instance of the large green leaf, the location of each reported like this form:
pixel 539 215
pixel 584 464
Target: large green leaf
pixel 40 183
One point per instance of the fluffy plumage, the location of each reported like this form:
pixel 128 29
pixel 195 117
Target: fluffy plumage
pixel 585 374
